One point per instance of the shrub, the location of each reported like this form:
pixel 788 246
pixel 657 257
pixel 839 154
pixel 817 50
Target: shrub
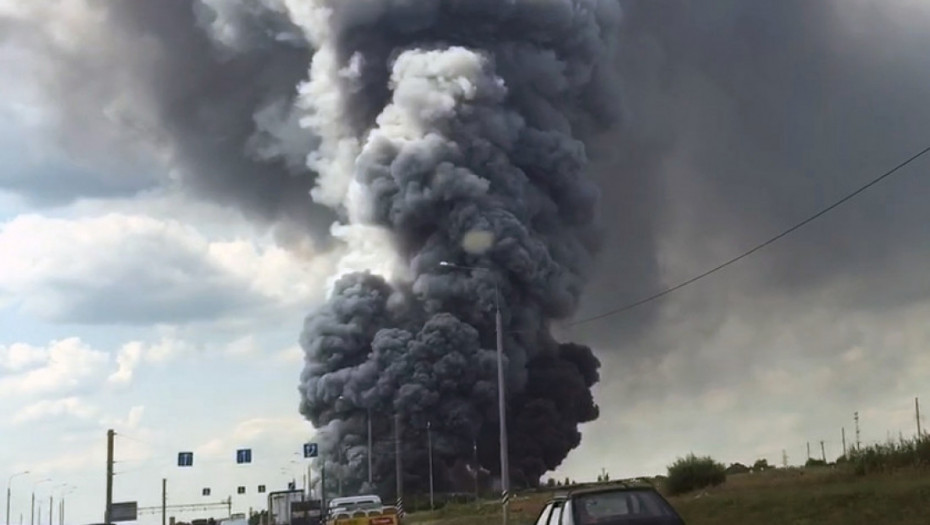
pixel 693 473
pixel 813 462
pixel 891 456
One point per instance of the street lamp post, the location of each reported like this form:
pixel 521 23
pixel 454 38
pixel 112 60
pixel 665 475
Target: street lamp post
pixel 370 472
pixel 66 489
pixel 368 422
pixel 51 500
pixel 429 445
pixel 32 515
pixel 501 394
pixel 9 485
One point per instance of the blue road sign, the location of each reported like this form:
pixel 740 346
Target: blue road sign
pixel 292 485
pixel 244 455
pixel 206 492
pixel 311 450
pixel 261 489
pixel 241 490
pixel 185 459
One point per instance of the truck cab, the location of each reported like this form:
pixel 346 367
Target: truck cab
pixel 365 509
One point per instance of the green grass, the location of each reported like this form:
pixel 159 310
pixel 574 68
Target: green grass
pixel 823 496
pixel 820 495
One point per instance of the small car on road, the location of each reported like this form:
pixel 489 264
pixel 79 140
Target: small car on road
pixel 610 504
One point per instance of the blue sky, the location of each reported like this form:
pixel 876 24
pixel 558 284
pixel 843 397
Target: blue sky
pixel 129 302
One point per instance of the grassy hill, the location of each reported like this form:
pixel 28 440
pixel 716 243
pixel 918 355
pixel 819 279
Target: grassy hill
pixel 820 495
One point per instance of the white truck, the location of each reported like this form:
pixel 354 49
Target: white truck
pixel 361 510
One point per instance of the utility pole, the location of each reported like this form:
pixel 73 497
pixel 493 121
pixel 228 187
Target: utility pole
pixel 823 453
pixel 502 409
pixel 164 500
pixel 856 418
pixel 398 465
pixel 784 458
pixel 501 391
pixel 109 504
pixel 51 505
pixel 843 429
pixel 917 416
pixel 429 445
pixel 370 470
pixel 322 488
pixel 9 492
pixel 808 450
pixel 474 449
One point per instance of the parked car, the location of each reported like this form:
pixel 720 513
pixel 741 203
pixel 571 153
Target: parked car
pixel 614 504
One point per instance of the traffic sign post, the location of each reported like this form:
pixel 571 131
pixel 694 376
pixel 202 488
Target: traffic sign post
pixel 311 450
pixel 244 455
pixel 185 459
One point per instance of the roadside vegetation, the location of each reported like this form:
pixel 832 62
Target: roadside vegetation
pixel 887 483
pixel 692 473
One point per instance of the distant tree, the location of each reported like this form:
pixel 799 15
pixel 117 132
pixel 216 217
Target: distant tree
pixel 737 468
pixel 693 473
pixel 761 465
pixel 606 476
pixel 551 482
pixel 812 462
pixel 568 482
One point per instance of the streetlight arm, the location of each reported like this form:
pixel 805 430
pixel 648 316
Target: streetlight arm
pixel 497 291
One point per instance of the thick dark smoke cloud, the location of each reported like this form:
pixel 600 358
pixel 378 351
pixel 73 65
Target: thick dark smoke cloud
pixel 134 90
pixel 742 118
pixel 460 121
pixel 433 119
pixel 445 124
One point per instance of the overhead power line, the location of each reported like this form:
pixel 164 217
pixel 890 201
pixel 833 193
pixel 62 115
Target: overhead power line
pixel 758 247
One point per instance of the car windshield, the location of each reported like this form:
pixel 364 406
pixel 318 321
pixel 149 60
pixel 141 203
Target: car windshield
pixel 619 505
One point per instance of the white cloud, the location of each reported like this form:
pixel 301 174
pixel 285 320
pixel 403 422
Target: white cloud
pixel 122 268
pixel 134 353
pixel 71 406
pixel 66 365
pixel 132 421
pixel 271 433
pixel 290 355
pixel 19 356
pixel 243 347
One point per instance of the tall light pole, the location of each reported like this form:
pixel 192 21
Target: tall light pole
pixel 66 489
pixel 51 500
pixel 501 393
pixel 32 515
pixel 370 471
pixel 429 445
pixel 9 485
pixel 370 454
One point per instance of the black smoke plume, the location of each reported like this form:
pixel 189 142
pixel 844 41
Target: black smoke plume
pixel 456 126
pixel 452 129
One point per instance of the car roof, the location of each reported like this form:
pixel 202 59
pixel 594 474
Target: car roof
pixel 625 485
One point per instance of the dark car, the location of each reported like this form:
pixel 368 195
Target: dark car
pixel 615 504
